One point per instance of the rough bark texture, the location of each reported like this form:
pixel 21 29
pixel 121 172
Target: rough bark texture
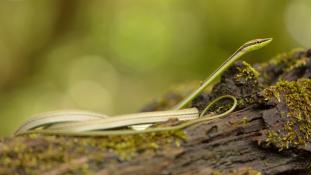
pixel 269 133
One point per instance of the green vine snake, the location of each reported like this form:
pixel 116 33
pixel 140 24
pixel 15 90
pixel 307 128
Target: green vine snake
pixel 89 124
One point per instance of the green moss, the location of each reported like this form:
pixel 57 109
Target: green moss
pixel 244 121
pixel 286 58
pixel 246 84
pixel 36 152
pixel 296 119
pixel 247 77
pixel 287 61
pixel 247 72
pixel 238 171
pixel 244 170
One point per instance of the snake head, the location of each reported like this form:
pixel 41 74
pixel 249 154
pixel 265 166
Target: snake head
pixel 255 44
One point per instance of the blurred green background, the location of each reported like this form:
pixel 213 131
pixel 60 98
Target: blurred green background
pixel 114 56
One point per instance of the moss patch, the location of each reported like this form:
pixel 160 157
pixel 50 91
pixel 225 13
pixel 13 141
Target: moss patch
pixel 239 171
pixel 293 128
pixel 240 81
pixel 246 73
pixel 286 66
pixel 287 61
pixel 37 152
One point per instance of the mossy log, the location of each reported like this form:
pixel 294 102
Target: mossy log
pixel 268 133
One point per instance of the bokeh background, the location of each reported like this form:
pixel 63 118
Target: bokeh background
pixel 114 56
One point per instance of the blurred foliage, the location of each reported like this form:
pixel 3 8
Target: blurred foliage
pixel 113 56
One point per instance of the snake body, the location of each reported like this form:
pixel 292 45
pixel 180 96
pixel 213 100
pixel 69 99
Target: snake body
pixel 186 124
pixel 89 124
